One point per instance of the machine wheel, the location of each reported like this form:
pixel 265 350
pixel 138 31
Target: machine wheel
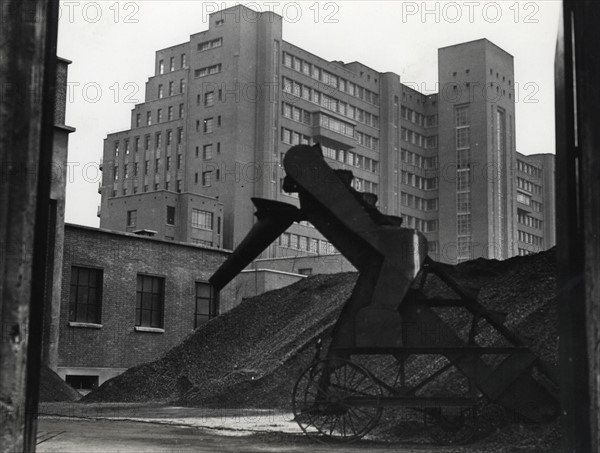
pixel 450 425
pixel 336 400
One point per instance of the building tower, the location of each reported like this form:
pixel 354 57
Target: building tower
pixel 476 151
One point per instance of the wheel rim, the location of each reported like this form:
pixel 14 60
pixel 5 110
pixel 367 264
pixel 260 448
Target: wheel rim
pixel 335 400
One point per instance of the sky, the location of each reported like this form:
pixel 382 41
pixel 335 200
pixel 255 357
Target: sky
pixel 112 44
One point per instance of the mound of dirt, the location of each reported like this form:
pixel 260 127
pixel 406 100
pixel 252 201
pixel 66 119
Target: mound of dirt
pixel 252 355
pixel 53 388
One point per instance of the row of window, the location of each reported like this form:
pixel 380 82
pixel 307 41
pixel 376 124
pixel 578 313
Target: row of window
pixel 182 63
pixel 428 163
pixel 418 118
pixel 294 138
pixel 529 238
pixel 330 79
pixel 350 158
pixel 529 169
pixel 159 115
pixel 208 70
pixel 210 44
pixel 367 141
pixel 86 291
pixel 529 221
pixel 336 125
pixel 413 180
pixel 135 167
pixel 329 102
pixel 171 88
pixel 415 202
pixel 362 185
pixel 426 226
pixel 201 219
pixel 529 186
pixel 427 142
pixel 524 252
pixel 306 244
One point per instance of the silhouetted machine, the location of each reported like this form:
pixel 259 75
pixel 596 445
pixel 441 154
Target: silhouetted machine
pixel 390 314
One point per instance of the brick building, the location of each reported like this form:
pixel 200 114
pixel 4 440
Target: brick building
pixel 223 108
pixel 127 299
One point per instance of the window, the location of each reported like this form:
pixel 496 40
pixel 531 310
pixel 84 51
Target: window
pixel 209 98
pixel 148 118
pixel 182 85
pixel 207 151
pixel 202 220
pixel 160 91
pixel 149 301
pixel 171 88
pixel 206 178
pixel 206 303
pixel 82 382
pixel 207 45
pixel 85 299
pixel 172 64
pixel 181 111
pixel 131 218
pixel 183 60
pixel 208 125
pixel 170 215
pixel 208 70
pixel 170 113
pixel 161 67
pixel 138 119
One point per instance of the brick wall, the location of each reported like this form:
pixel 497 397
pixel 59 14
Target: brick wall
pixel 121 256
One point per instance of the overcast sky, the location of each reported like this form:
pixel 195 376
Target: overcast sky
pixel 112 46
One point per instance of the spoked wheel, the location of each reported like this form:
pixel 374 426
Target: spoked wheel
pixel 336 400
pixel 450 425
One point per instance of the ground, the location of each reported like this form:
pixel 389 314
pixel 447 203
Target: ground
pixel 149 428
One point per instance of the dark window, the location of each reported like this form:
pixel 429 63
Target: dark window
pixel 85 300
pixel 80 382
pixel 131 218
pixel 149 301
pixel 206 303
pixel 170 215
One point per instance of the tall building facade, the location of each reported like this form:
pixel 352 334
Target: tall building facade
pixel 222 110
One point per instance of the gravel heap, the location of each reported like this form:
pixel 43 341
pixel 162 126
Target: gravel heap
pixel 252 355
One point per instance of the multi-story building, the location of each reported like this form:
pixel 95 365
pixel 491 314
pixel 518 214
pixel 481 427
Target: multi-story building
pixel 222 110
pixel 535 230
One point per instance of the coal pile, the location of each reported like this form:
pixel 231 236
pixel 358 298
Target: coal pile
pixel 53 388
pixel 252 355
pixel 260 347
